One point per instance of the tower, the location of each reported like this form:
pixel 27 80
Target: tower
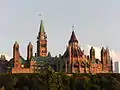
pixel 16 55
pixel 103 56
pixel 74 54
pixel 111 65
pixel 92 54
pixel 107 56
pixel 42 41
pixel 103 59
pixel 29 51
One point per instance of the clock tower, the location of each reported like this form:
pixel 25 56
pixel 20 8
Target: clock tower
pixel 42 41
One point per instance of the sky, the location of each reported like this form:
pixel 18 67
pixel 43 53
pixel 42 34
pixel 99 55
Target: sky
pixel 96 23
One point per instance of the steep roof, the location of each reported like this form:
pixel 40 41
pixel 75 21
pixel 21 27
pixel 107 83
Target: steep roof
pixel 50 60
pixel 41 29
pixel 73 38
pixel 74 52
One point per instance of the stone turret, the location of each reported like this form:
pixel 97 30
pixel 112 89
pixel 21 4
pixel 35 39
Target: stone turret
pixel 29 51
pixel 16 55
pixel 92 53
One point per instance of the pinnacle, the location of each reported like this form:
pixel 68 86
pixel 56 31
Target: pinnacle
pixel 41 27
pixel 73 38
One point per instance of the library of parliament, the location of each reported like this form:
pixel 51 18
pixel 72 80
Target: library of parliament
pixel 72 61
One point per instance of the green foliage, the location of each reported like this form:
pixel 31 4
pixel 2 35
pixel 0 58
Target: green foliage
pixel 51 80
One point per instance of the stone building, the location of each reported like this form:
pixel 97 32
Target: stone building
pixel 33 63
pixel 75 61
pixel 4 64
pixel 72 61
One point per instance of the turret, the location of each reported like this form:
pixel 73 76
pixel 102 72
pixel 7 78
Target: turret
pixel 74 52
pixel 103 56
pixel 73 39
pixel 29 51
pixel 107 55
pixel 92 53
pixel 111 65
pixel 16 55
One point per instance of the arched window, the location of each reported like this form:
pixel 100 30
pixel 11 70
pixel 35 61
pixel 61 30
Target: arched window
pixel 17 49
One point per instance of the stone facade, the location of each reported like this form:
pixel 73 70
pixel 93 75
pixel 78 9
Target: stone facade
pixel 72 61
pixel 77 62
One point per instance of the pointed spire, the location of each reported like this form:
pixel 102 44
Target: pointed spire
pixel 103 50
pixel 49 54
pixel 107 49
pixel 73 38
pixel 41 27
pixel 92 49
pixel 29 43
pixel 16 43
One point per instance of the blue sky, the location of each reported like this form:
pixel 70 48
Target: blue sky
pixel 97 22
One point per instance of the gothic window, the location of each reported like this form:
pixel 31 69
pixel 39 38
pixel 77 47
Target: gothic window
pixel 42 37
pixel 83 65
pixel 44 51
pixel 43 45
pixel 31 50
pixel 76 65
pixel 16 48
pixel 16 65
pixel 88 66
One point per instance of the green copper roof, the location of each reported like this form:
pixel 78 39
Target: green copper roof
pixel 50 60
pixel 41 27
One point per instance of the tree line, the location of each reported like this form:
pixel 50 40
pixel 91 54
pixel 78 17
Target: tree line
pixel 50 80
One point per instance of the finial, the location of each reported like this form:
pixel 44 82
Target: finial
pixel 91 47
pixel 107 48
pixel 29 43
pixel 16 42
pixel 73 27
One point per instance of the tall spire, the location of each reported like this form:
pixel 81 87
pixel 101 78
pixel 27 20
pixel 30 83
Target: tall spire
pixel 73 37
pixel 107 49
pixel 42 41
pixel 41 27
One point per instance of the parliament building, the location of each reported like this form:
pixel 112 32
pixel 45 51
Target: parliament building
pixel 73 60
